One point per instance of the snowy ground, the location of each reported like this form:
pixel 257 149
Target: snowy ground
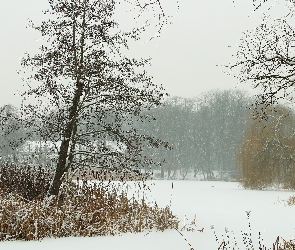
pixel 222 204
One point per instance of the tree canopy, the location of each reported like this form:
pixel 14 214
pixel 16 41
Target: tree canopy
pixel 87 88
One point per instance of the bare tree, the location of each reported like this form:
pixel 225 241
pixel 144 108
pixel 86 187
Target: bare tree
pixel 266 58
pixel 88 88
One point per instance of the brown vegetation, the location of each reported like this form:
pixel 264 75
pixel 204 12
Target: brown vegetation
pixel 266 155
pixel 79 210
pixel 28 181
pixel 282 244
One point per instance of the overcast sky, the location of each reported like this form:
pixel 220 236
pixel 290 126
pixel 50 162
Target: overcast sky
pixel 204 34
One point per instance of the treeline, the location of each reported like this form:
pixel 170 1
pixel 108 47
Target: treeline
pixel 222 135
pixel 205 133
pixel 213 136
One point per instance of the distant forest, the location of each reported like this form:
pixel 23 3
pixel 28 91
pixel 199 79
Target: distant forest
pixel 215 136
pixel 205 133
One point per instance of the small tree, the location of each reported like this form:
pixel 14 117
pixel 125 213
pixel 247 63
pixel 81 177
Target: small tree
pixel 89 86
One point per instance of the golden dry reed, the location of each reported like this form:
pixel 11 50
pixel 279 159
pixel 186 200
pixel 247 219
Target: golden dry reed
pixel 101 208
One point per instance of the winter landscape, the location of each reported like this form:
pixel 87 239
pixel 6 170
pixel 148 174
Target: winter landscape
pixel 147 124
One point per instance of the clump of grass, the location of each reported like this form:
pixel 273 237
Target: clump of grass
pixel 281 244
pixel 291 201
pixel 227 243
pixel 79 210
pixel 30 182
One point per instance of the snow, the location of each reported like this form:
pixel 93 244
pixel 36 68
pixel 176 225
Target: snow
pixel 222 204
pixel 34 146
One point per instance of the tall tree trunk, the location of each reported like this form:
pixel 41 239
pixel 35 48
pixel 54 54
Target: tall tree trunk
pixel 70 130
pixel 63 153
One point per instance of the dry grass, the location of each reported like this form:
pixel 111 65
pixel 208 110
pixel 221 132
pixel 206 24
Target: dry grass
pixel 28 181
pixel 290 201
pixel 84 210
pixel 112 175
pixel 229 240
pixel 281 244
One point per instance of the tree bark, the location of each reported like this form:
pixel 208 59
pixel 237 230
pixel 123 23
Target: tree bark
pixel 63 154
pixel 70 130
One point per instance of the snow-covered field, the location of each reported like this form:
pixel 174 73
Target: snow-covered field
pixel 222 204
